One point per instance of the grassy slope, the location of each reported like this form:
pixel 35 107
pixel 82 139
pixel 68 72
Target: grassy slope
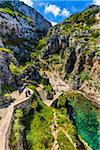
pixel 38 127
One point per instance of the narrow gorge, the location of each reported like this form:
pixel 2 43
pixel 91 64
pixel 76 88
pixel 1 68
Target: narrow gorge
pixel 49 79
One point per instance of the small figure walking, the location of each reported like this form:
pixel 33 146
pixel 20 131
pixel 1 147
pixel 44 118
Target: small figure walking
pixel 26 93
pixel 29 93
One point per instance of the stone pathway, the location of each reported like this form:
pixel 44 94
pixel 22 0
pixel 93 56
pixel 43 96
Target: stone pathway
pixel 7 113
pixel 42 94
pixel 58 85
pixel 55 129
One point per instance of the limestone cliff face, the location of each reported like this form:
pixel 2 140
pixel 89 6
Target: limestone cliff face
pixel 5 74
pixel 72 48
pixel 21 27
pixel 41 24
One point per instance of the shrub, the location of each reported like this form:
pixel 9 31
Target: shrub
pixel 5 50
pixel 64 142
pixel 39 136
pixel 41 44
pixel 6 88
pixel 84 76
pixel 18 70
pixel 15 135
pixel 33 87
pixel 48 88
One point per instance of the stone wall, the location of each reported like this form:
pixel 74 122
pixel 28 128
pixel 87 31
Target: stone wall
pixel 26 106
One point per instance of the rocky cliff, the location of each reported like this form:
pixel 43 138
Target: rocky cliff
pixel 49 60
pixel 72 48
pixel 21 27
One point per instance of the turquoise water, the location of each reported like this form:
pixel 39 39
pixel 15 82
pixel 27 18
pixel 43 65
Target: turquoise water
pixel 85 119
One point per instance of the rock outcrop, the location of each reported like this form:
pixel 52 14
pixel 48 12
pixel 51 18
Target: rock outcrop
pixel 72 47
pixel 63 64
pixel 21 27
pixel 6 57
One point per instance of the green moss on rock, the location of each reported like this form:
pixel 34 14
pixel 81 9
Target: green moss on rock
pixel 15 14
pixel 5 50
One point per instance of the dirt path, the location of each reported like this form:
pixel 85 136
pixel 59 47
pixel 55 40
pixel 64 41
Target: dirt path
pixel 55 129
pixel 67 135
pixel 58 85
pixel 7 113
pixel 43 96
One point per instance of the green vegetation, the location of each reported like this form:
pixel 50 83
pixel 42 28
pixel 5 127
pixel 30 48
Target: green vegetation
pixel 84 117
pixel 98 53
pixel 63 119
pixel 41 43
pixel 38 131
pixel 15 69
pixel 15 135
pixel 5 50
pixel 8 51
pixel 15 14
pixel 7 10
pixel 39 136
pixel 33 87
pixel 7 95
pixel 35 56
pixel 48 88
pixel 64 122
pixel 18 70
pixel 6 88
pixel 64 143
pixel 54 59
pixel 84 76
pixel 87 16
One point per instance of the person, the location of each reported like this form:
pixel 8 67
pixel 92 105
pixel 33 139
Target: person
pixel 26 94
pixel 29 93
